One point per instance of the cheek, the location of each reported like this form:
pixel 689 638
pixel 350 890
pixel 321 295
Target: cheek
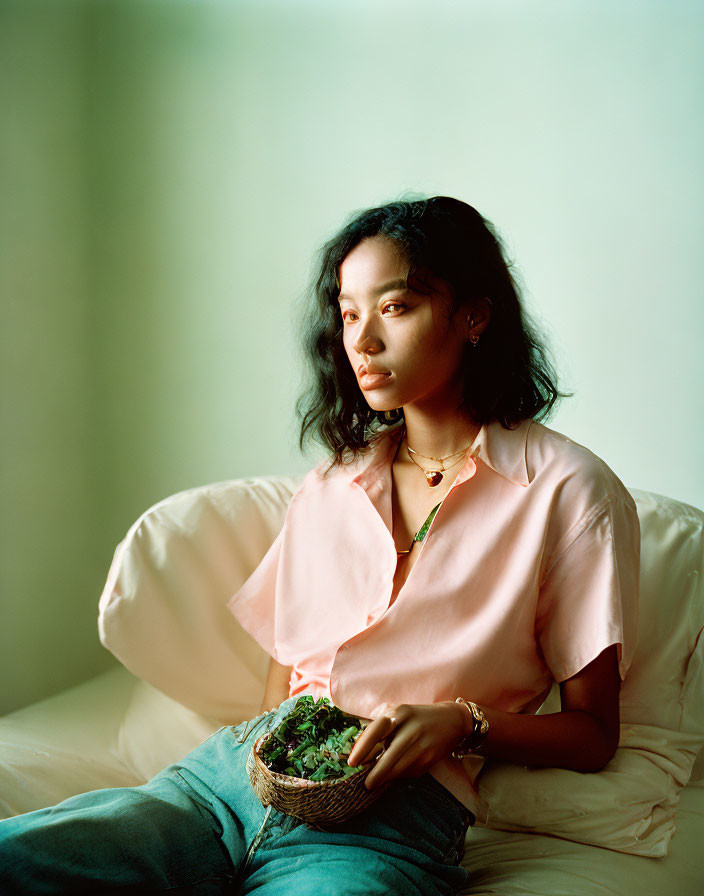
pixel 348 346
pixel 428 345
pixel 347 342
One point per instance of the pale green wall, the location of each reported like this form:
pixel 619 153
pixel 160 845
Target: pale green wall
pixel 168 170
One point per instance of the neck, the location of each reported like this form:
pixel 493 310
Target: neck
pixel 437 434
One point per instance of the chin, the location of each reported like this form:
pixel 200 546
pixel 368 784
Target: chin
pixel 379 407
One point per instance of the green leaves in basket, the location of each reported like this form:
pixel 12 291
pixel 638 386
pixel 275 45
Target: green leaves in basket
pixel 313 741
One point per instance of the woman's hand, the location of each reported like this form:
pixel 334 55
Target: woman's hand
pixel 416 738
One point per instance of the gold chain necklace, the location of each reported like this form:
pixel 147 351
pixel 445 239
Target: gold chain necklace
pixel 434 477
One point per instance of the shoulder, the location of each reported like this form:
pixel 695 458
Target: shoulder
pixel 327 480
pixel 330 476
pixel 576 479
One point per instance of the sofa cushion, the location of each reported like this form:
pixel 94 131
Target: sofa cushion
pixel 514 864
pixel 163 611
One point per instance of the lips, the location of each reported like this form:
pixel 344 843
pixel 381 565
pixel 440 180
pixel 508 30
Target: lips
pixel 373 379
pixel 363 369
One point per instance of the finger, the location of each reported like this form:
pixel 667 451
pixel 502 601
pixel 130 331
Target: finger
pixel 396 761
pixel 364 748
pixel 366 744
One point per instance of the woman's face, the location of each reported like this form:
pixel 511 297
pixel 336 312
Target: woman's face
pixel 406 340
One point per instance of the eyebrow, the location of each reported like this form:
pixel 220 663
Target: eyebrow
pixel 380 290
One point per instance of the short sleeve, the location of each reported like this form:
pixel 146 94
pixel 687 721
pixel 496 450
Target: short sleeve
pixel 254 604
pixel 588 597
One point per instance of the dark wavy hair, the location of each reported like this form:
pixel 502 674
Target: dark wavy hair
pixel 508 375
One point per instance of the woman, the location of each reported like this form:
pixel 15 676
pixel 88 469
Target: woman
pixel 427 385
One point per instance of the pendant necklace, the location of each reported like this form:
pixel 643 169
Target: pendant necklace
pixel 434 477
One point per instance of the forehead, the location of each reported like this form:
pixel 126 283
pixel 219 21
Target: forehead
pixel 374 260
pixel 378 265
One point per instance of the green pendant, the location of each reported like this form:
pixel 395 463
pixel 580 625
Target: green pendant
pixel 423 531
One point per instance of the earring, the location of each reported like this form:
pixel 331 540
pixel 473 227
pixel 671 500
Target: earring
pixel 474 339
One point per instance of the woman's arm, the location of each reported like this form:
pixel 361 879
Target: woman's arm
pixel 276 690
pixel 582 737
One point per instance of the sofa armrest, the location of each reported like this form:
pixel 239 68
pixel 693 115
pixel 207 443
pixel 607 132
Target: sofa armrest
pixel 61 745
pixel 111 731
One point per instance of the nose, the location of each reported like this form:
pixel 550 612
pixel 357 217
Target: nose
pixel 367 340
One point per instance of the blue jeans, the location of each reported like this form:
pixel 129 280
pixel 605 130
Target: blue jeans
pixel 198 828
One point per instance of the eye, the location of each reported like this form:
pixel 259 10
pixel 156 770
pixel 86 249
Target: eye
pixel 399 305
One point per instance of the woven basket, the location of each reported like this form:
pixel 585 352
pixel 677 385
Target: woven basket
pixel 317 803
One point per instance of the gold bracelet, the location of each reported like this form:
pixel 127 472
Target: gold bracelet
pixel 480 729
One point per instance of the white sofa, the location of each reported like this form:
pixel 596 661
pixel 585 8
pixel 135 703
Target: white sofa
pixel 188 668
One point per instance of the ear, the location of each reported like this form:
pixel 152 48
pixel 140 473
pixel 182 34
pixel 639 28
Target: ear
pixel 476 317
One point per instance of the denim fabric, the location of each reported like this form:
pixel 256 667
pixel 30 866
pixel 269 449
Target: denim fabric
pixel 198 828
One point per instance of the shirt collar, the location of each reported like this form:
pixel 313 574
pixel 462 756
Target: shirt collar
pixel 504 450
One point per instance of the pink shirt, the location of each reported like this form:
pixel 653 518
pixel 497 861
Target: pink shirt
pixel 529 570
